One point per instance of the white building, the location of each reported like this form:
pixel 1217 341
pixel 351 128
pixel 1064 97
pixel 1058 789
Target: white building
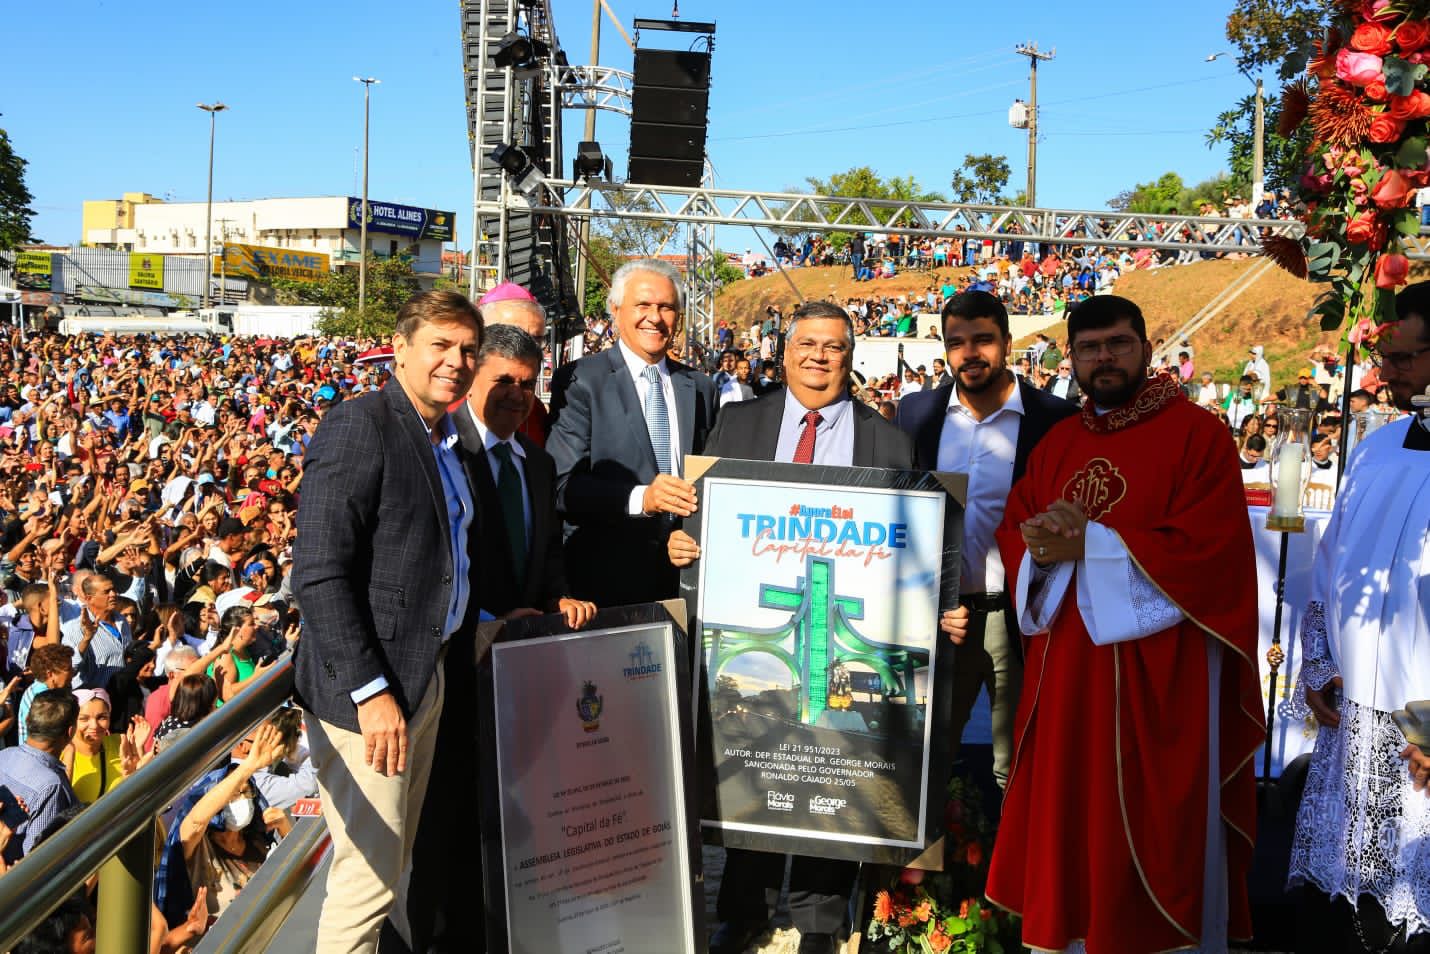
pixel 329 225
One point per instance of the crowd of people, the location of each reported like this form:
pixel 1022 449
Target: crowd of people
pixel 152 566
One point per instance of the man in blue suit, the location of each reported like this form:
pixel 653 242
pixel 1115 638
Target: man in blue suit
pixel 622 423
pixel 984 424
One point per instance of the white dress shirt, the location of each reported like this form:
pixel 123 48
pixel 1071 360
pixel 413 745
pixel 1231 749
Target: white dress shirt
pixel 984 450
pixel 636 365
pixel 518 460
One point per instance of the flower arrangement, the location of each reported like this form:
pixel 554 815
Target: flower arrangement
pixel 1365 102
pixel 932 912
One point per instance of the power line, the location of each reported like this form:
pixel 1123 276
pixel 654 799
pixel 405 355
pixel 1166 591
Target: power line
pixel 985 112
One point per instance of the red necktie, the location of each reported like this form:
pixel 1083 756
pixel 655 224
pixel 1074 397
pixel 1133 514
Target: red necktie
pixel 804 450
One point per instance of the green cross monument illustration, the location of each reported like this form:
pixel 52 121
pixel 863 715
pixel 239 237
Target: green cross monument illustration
pixel 819 631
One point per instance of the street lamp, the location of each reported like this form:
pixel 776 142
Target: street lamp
pixel 1258 149
pixel 367 83
pixel 213 109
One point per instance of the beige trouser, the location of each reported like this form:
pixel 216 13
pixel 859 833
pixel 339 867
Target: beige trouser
pixel 989 657
pixel 373 822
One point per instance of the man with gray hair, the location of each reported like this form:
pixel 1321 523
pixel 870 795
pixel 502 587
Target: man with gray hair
pixel 619 485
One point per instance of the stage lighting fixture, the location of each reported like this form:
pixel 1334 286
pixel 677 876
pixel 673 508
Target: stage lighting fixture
pixel 513 50
pixel 511 158
pixel 590 162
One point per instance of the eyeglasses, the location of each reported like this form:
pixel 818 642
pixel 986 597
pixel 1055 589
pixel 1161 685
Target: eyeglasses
pixel 1117 347
pixel 1399 360
pixel 834 349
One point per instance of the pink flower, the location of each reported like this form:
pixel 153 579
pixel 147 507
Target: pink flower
pixel 1377 11
pixel 1358 69
pixel 1391 270
pixel 1317 184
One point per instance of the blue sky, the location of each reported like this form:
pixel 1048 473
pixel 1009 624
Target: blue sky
pixel 101 96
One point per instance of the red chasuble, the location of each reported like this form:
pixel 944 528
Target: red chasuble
pixel 1103 837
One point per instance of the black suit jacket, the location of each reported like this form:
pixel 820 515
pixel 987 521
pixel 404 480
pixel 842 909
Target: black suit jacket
pixel 602 452
pixel 921 415
pixel 1075 395
pixel 372 563
pixel 544 580
pixel 750 430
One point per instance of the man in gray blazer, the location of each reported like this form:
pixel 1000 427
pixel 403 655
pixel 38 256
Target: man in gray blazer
pixel 623 422
pixel 385 573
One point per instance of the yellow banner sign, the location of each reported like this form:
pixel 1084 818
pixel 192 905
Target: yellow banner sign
pixel 34 263
pixel 146 271
pixel 258 261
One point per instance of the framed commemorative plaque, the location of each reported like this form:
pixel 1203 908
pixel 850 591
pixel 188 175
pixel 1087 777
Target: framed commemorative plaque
pixel 590 837
pixel 824 686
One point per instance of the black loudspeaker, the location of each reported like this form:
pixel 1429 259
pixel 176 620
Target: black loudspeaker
pixel 669 117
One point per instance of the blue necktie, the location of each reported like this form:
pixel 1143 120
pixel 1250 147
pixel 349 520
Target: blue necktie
pixel 657 418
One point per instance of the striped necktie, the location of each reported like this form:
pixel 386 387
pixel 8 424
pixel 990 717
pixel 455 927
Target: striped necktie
pixel 657 418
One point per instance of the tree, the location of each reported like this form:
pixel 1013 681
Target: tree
pixel 599 268
pixel 1277 35
pixel 390 282
pixel 15 198
pixel 862 182
pixel 643 238
pixel 981 179
pixel 1161 197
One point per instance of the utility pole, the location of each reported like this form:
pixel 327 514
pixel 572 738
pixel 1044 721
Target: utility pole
pixel 1030 50
pixel 366 82
pixel 223 225
pixel 213 109
pixel 1258 172
pixel 583 226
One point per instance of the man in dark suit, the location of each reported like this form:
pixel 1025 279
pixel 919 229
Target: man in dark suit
pixel 813 420
pixel 984 424
pixel 522 566
pixel 385 573
pixel 623 422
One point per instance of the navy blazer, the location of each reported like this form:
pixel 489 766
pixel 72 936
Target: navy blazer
pixel 544 576
pixel 602 452
pixel 372 561
pixel 921 415
pixel 750 430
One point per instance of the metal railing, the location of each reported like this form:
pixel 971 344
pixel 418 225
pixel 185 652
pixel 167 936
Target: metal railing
pixel 116 835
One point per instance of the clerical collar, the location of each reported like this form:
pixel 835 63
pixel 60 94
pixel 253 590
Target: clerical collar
pixel 1326 464
pixel 1159 392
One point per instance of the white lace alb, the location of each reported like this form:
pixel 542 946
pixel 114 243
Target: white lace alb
pixel 1362 828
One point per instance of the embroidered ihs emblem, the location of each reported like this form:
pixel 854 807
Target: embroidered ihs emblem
pixel 1098 487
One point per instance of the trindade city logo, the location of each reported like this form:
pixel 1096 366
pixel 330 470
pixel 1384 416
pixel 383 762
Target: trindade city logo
pixel 588 707
pixel 643 663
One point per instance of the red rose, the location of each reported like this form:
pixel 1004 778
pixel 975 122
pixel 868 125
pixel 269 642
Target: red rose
pixel 1412 35
pixel 1392 191
pixel 1371 38
pixel 1391 270
pixel 1385 128
pixel 974 854
pixel 1401 107
pixel 1421 101
pixel 1375 92
pixel 1360 228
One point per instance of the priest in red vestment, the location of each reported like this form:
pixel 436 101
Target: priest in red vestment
pixel 1130 812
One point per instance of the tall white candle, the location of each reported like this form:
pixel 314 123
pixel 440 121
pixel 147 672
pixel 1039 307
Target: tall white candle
pixel 1288 479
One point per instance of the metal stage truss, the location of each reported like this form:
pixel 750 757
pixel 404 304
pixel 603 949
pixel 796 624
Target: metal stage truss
pixel 601 87
pixel 798 212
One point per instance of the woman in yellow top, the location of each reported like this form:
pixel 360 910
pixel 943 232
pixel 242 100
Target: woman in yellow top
pixel 97 759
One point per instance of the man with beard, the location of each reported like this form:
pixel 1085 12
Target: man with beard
pixel 983 424
pixel 1364 824
pixel 1130 811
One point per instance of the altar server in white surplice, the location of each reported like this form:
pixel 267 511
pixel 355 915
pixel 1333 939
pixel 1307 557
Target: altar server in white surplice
pixel 1363 832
